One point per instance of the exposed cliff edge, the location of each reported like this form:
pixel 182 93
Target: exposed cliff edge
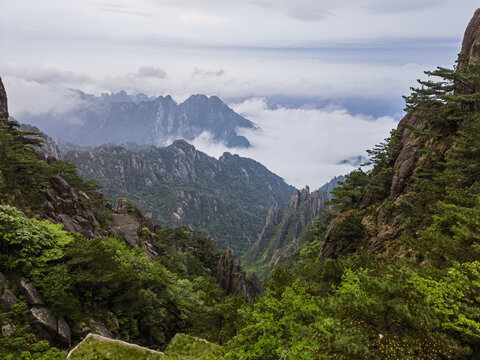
pixel 3 101
pixel 421 140
pixel 282 231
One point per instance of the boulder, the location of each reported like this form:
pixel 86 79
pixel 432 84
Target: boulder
pixel 51 328
pixel 8 330
pixel 3 281
pixel 31 294
pixel 127 228
pixel 8 300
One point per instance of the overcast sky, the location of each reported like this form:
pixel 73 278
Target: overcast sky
pixel 286 64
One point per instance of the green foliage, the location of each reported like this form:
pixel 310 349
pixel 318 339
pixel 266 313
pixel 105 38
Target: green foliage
pixel 24 344
pixel 418 300
pixel 103 350
pixel 349 191
pixel 229 198
pixel 185 347
pixel 347 233
pixel 83 279
pixel 29 245
pixel 383 157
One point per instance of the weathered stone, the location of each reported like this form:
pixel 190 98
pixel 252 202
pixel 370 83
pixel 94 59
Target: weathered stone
pixel 122 206
pixel 127 228
pixel 31 294
pixel 49 326
pixel 8 330
pixel 60 185
pixel 471 40
pixel 3 102
pixel 273 219
pixel 231 278
pixel 8 300
pixel 100 328
pixel 3 281
pixel 280 234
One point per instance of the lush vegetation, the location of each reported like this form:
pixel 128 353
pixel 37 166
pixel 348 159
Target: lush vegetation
pixel 93 348
pixel 227 198
pixel 185 347
pixel 140 300
pixel 182 347
pixel 413 295
pixel 417 298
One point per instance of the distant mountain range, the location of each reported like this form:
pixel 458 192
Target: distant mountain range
pixel 121 118
pixel 229 198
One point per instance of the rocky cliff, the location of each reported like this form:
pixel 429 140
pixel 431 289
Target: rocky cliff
pixel 3 101
pixel 416 154
pixel 178 185
pixel 281 234
pixel 119 118
pixel 233 279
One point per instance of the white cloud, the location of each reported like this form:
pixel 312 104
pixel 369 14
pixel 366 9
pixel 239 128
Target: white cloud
pixel 29 96
pixel 151 71
pixel 304 146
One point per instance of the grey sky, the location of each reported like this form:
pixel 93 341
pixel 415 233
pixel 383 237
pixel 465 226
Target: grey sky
pixel 361 55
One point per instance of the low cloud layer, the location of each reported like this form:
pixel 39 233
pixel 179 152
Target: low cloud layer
pixel 288 81
pixel 304 146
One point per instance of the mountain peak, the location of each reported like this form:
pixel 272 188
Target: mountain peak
pixel 471 40
pixel 120 118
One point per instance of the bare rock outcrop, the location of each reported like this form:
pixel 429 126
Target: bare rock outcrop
pixel 273 219
pixel 407 159
pixel 231 278
pixel 3 281
pixel 281 233
pixel 471 41
pixel 106 339
pixel 66 205
pixel 3 102
pixel 50 327
pixel 128 228
pixel 31 294
pixel 8 300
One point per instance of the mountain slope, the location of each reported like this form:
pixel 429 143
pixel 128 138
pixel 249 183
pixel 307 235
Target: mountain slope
pixel 71 265
pixel 281 234
pixel 119 118
pixel 178 185
pixel 394 271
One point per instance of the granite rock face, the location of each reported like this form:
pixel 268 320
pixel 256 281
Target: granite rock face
pixel 49 326
pixel 231 278
pixel 31 294
pixel 8 330
pixel 383 220
pixel 8 300
pixel 280 236
pixel 471 41
pixel 3 102
pixel 66 205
